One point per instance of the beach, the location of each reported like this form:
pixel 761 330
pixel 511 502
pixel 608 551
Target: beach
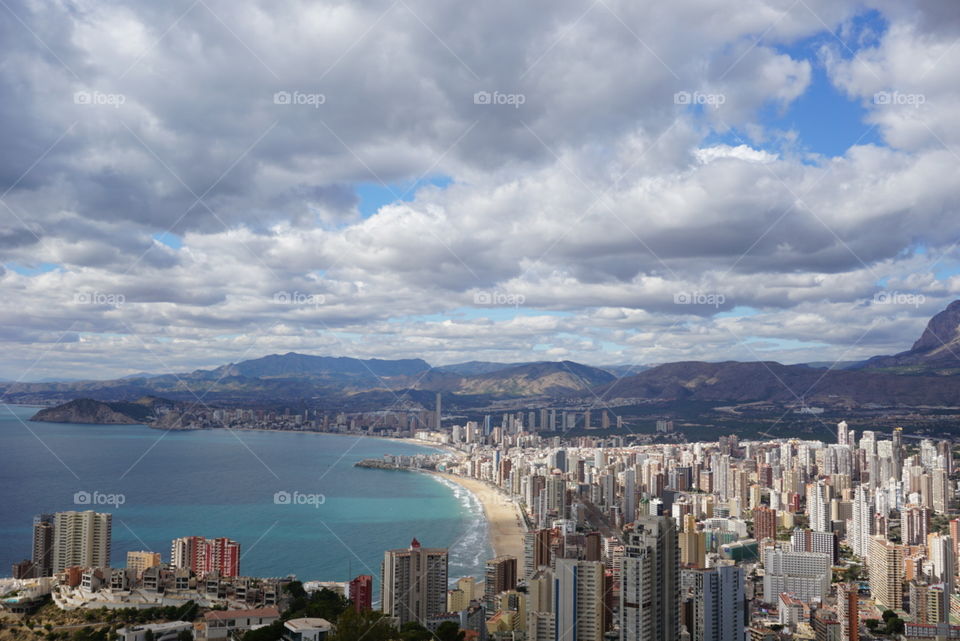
pixel 505 522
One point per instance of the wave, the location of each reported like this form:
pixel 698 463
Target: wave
pixel 470 551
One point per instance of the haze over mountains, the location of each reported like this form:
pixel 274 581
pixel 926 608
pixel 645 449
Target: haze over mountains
pixel 922 376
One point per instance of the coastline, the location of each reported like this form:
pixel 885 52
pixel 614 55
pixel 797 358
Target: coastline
pixel 505 524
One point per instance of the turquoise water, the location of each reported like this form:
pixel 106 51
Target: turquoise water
pixel 216 483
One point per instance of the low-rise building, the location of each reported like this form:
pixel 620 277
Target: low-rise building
pixel 306 629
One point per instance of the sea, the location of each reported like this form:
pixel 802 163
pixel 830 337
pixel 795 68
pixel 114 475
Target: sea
pixel 294 501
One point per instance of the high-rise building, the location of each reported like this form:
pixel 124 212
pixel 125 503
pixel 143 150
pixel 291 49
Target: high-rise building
pixel 413 583
pixel 915 524
pixel 858 534
pixel 204 556
pixel 81 538
pixel 885 562
pixel 500 576
pixel 692 544
pixel 361 592
pixel 718 604
pixel 764 523
pixel 141 560
pixel 650 582
pixel 848 610
pixel 536 551
pixel 438 420
pixel 579 600
pixel 805 575
pixel 43 528
pixel 810 541
pixel 818 507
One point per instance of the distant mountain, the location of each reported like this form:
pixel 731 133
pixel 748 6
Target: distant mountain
pixel 279 378
pixel 473 368
pixel 293 365
pixel 920 376
pixel 537 379
pixel 625 370
pixel 937 350
pixel 736 382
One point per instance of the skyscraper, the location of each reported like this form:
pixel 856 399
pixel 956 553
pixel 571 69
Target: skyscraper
pixel 718 604
pixel 764 523
pixel 848 611
pixel 859 531
pixel 579 600
pixel 500 576
pixel 650 582
pixel 885 561
pixel 806 575
pixel 413 583
pixel 43 527
pixel 81 538
pixel 818 507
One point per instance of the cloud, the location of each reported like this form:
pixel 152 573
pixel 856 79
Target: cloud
pixel 596 169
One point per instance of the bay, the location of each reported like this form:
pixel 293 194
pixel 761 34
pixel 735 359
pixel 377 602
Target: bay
pixel 217 483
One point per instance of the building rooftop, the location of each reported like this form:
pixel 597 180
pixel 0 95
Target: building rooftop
pixel 307 624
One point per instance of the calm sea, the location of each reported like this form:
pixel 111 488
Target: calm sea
pixel 218 483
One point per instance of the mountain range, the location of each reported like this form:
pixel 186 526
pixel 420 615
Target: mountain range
pixel 924 375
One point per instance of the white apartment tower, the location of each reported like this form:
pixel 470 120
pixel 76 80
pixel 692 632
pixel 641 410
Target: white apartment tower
pixel 81 538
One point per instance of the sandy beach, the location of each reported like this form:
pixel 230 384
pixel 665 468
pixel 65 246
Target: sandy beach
pixel 503 516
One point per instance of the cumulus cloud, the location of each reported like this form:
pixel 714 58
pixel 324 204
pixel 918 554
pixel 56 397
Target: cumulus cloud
pixel 595 200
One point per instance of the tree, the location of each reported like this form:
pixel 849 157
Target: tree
pixel 185 635
pixel 414 631
pixel 450 631
pixel 368 625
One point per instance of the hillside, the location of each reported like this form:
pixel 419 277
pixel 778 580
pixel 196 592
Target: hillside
pixel 936 351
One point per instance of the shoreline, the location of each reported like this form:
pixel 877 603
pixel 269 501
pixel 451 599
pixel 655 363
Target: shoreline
pixel 505 524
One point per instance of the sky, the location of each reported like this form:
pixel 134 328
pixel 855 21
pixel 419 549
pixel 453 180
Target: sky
pixel 189 183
